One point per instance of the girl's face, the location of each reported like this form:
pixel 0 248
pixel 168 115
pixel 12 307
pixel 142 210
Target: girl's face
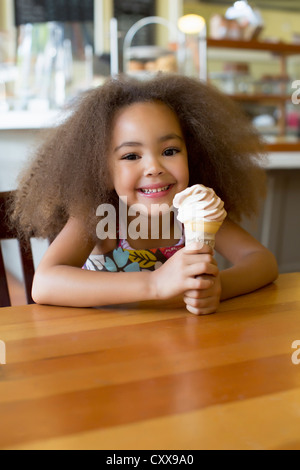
pixel 149 162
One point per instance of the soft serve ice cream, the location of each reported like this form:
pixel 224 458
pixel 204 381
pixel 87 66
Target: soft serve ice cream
pixel 202 213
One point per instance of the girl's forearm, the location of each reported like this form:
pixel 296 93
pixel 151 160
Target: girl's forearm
pixel 74 287
pixel 254 271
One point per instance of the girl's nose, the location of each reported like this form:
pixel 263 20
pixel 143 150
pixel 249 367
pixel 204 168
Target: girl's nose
pixel 153 167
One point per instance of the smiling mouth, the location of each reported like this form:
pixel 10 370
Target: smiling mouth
pixel 155 191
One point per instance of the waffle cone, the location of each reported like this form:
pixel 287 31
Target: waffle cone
pixel 203 226
pixel 201 232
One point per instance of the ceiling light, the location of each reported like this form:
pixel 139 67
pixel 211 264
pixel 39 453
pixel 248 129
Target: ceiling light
pixel 191 24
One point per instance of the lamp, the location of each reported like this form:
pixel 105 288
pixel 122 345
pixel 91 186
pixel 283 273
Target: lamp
pixel 194 27
pixel 240 9
pixel 246 16
pixel 191 24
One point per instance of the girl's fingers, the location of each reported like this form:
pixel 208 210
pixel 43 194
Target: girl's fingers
pixel 203 258
pixel 201 268
pixel 198 248
pixel 200 293
pixel 199 312
pixel 201 306
pixel 199 303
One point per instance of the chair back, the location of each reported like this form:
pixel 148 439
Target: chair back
pixel 8 233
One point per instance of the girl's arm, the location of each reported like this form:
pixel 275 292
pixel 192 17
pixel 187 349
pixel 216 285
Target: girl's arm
pixel 253 265
pixel 60 279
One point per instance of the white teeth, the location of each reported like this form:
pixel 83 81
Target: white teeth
pixel 153 191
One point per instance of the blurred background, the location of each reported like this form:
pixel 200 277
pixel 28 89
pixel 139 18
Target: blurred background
pixel 53 50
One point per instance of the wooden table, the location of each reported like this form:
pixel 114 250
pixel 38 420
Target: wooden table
pixel 129 380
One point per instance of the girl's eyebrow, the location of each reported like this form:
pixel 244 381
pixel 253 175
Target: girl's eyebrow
pixel 170 137
pixel 139 144
pixel 128 144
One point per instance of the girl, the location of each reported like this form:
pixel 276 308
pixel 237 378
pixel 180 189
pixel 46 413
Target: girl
pixel 132 143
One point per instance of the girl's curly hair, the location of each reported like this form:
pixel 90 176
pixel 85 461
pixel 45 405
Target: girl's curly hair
pixel 69 173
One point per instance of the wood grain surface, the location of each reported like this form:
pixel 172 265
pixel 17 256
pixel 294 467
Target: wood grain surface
pixel 153 379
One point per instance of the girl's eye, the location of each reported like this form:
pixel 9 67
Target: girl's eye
pixel 171 152
pixel 130 156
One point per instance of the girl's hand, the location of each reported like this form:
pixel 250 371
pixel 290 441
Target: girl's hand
pixel 189 270
pixel 204 301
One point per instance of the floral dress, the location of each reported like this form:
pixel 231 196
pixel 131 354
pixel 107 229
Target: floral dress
pixel 127 259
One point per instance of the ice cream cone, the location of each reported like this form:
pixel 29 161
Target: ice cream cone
pixel 201 232
pixel 202 212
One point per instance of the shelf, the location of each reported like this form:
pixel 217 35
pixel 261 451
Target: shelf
pixel 280 48
pixel 260 97
pixel 245 50
pixel 283 147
